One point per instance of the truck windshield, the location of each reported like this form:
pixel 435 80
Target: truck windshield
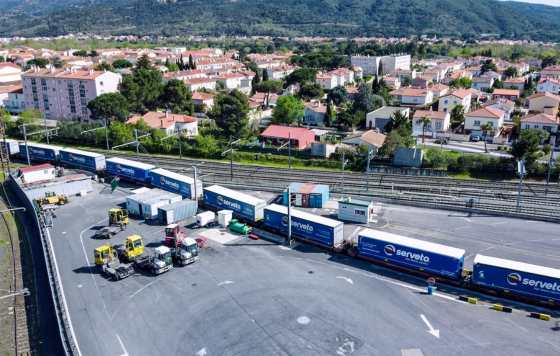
pixel 193 249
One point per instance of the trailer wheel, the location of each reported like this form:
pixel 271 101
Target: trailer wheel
pixel 352 251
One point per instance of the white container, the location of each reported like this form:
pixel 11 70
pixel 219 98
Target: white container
pixel 224 217
pixel 205 218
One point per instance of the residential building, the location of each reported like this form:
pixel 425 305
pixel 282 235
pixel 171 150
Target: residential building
pixel 371 138
pixel 439 90
pixel 457 97
pixel 9 73
pixel 550 85
pixel 314 114
pixel 202 99
pixel 326 81
pixel 300 138
pixel 551 72
pixel 379 118
pixel 509 94
pixel 239 81
pixel 279 73
pixel 540 101
pixel 369 64
pixel 12 99
pixel 196 84
pixel 515 83
pixel 392 83
pixel 389 64
pixel 482 83
pixel 440 121
pixel 64 94
pixel 476 119
pixel 544 121
pixel 413 96
pixel 334 78
pixel 507 106
pixel 168 123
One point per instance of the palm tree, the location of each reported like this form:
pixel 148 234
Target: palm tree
pixel 485 129
pixel 425 121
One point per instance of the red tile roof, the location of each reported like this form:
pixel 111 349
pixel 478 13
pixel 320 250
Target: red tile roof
pixel 506 92
pixel 486 112
pixel 11 89
pixel 461 93
pixel 547 94
pixel 436 115
pixel 199 95
pixel 286 132
pixel 9 65
pixel 541 118
pixel 410 92
pixel 161 120
pixel 39 167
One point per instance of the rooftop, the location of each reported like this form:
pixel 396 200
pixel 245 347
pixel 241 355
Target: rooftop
pixel 161 120
pixel 541 118
pixel 286 132
pixel 489 112
pixel 437 115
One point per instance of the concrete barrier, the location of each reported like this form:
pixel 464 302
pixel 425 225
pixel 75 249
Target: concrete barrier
pixel 468 299
pixel 541 316
pixel 499 307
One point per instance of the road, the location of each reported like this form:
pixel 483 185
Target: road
pixel 258 298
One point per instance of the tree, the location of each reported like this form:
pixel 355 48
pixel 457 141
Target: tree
pixel 109 106
pixel 172 67
pixel 338 95
pixel 548 60
pixel 269 86
pixel 288 110
pixel 265 75
pixel 330 115
pixel 301 75
pixel 103 66
pixel 143 88
pixel 192 64
pixel 121 63
pixel 348 119
pixel 527 146
pixel 425 122
pixel 398 120
pixel 310 90
pixel 80 53
pixel 488 66
pixel 457 116
pixel 5 118
pixel 364 100
pixel 462 82
pixel 176 97
pixel 29 117
pixel 400 137
pixel 486 127
pixel 143 63
pixel 230 113
pixel 39 62
pixel 511 72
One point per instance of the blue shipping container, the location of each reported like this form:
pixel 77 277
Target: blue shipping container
pixel 174 182
pixel 129 169
pixel 324 231
pixel 519 278
pixel 39 152
pixel 81 159
pixel 411 253
pixel 243 205
pixel 308 195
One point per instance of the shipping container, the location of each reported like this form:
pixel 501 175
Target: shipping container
pixel 176 183
pixel 354 210
pixel 424 256
pixel 177 211
pixel 39 152
pixel 204 218
pixel 89 161
pixel 243 205
pixel 308 195
pixel 315 228
pixel 128 169
pixel 522 279
pixel 11 147
pixel 224 217
pixel 145 205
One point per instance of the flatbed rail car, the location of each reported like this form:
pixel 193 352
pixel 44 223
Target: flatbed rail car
pixel 245 207
pixel 316 229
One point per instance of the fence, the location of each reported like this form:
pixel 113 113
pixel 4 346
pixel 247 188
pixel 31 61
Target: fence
pixel 67 339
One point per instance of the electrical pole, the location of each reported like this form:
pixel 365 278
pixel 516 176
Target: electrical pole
pixel 137 142
pixel 26 147
pixel 289 216
pixel 521 172
pixel 370 156
pixel 46 131
pixel 107 133
pixel 289 150
pixel 549 165
pixel 195 181
pixel 343 166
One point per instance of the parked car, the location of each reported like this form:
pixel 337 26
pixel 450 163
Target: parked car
pixel 441 141
pixel 475 138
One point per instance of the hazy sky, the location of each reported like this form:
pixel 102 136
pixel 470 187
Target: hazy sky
pixel 547 2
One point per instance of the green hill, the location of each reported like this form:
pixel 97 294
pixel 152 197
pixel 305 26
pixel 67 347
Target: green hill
pixel 284 18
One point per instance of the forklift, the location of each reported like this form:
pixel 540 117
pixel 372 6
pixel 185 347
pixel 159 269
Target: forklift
pixel 132 248
pixel 118 217
pixel 107 261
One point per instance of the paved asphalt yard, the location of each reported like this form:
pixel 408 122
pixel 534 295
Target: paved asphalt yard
pixel 259 298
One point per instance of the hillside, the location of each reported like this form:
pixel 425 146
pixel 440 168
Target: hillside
pixel 281 17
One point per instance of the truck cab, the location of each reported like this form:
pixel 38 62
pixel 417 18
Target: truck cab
pixel 187 252
pixel 103 254
pixel 119 217
pixel 133 247
pixel 162 261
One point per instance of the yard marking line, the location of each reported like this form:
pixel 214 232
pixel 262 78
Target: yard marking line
pixel 142 288
pixel 224 283
pixel 431 329
pixel 122 346
pixel 349 280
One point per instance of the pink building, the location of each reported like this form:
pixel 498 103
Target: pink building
pixel 64 94
pixel 300 137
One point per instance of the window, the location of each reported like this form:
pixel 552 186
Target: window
pixel 445 101
pixel 476 123
pixel 359 212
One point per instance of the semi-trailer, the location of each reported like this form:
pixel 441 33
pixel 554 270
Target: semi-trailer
pixel 39 152
pixel 11 147
pixel 176 183
pixel 90 161
pixel 306 226
pixel 512 277
pixel 244 206
pixel 405 252
pixel 129 169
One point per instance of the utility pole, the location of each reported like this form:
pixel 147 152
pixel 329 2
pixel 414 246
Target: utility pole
pixel 45 128
pixel 289 144
pixel 521 172
pixel 370 156
pixel 553 143
pixel 195 181
pixel 344 161
pixel 137 142
pixel 289 216
pixel 106 127
pixel 26 147
pixel 230 151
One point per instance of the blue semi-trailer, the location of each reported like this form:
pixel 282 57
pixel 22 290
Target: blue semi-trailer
pixel 129 169
pixel 314 228
pixel 522 279
pixel 243 205
pixel 39 152
pixel 414 254
pixel 90 161
pixel 176 183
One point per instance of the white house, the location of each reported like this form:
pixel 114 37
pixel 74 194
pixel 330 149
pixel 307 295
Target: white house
pixel 12 99
pixel 413 96
pixel 379 118
pixel 326 81
pixel 457 97
pixel 549 85
pixel 9 73
pixel 168 123
pixel 439 122
pixel 476 119
pixel 481 83
pixel 543 121
pixel 314 113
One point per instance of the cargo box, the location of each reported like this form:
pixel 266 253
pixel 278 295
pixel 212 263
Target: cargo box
pixel 175 183
pixel 39 152
pixel 11 147
pixel 89 161
pixel 323 231
pixel 432 258
pixel 129 169
pixel 308 195
pixel 243 205
pixel 523 279
pixel 177 211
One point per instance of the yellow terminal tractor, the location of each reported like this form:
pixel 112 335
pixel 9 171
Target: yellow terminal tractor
pixel 132 248
pixel 118 217
pixel 107 261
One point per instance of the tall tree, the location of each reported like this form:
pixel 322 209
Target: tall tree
pixel 176 97
pixel 424 121
pixel 268 86
pixel 109 106
pixel 143 88
pixel 338 95
pixel 330 115
pixel 398 120
pixel 265 75
pixel 121 63
pixel 288 110
pixel 527 146
pixel 457 116
pixel 486 128
pixel 230 113
pixel 364 100
pixel 310 90
pixel 192 63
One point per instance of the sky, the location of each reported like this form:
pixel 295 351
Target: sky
pixel 546 2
